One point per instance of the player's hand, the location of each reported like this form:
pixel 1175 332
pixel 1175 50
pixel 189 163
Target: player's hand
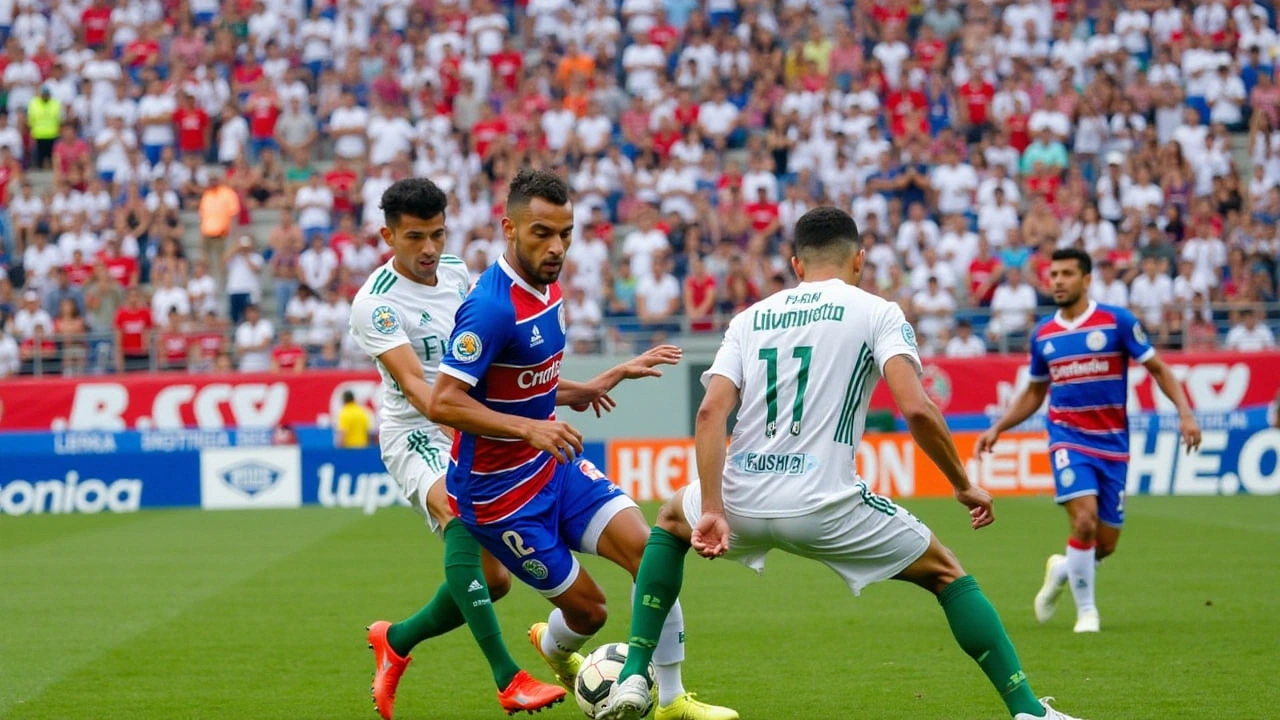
pixel 1190 430
pixel 601 405
pixel 710 538
pixel 979 503
pixel 555 437
pixel 987 442
pixel 646 365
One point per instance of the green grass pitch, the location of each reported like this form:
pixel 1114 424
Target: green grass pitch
pixel 186 614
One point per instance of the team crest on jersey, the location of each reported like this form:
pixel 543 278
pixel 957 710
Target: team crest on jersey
pixel 1067 477
pixel 467 347
pixel 424 319
pixel 1096 340
pixel 1138 334
pixel 385 320
pixel 560 314
pixel 909 334
pixel 536 569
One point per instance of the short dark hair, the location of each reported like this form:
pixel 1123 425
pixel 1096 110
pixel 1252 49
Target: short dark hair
pixel 825 230
pixel 347 395
pixel 1080 256
pixel 529 184
pixel 415 197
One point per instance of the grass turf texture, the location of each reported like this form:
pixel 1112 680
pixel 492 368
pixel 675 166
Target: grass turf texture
pixel 186 614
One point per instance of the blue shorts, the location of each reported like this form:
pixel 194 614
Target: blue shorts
pixel 1076 474
pixel 537 546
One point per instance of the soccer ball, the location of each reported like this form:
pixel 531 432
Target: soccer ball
pixel 599 671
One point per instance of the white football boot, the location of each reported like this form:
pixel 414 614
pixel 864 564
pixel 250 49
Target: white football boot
pixel 629 700
pixel 1088 622
pixel 1049 713
pixel 1047 598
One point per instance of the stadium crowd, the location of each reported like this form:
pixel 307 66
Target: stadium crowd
pixel 144 144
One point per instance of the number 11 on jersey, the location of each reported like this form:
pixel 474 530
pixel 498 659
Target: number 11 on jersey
pixel 770 356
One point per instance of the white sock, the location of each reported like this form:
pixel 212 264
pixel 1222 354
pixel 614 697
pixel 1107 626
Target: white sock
pixel 1080 575
pixel 559 642
pixel 668 655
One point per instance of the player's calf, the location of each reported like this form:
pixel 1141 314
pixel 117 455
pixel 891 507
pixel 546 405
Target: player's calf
pixel 671 517
pixel 934 570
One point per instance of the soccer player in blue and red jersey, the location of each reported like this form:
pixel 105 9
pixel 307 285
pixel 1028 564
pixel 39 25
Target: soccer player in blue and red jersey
pixel 1080 359
pixel 514 478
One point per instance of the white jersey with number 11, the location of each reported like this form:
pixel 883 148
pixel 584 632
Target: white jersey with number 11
pixel 805 362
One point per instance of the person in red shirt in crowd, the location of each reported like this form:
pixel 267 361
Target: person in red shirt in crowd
pixel 507 65
pixel 95 23
pixel 890 12
pixel 245 77
pixel 211 338
pixel 1044 181
pixel 667 136
pixel 175 342
pixel 928 47
pixel 346 236
pixel 1018 126
pixel 765 222
pixel 288 356
pixel 487 129
pixel 984 274
pixel 133 326
pixel 685 112
pixel 700 296
pixel 663 33
pixel 974 108
pixel 79 270
pixel 122 269
pixel 71 157
pixel 262 110
pixel 192 126
pixel 141 52
pixel 899 103
pixel 342 180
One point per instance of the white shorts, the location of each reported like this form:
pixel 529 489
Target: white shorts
pixel 863 537
pixel 416 459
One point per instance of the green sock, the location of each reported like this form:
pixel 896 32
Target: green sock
pixel 657 588
pixel 465 579
pixel 978 630
pixel 436 618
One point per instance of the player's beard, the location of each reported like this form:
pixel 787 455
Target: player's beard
pixel 533 269
pixel 1069 300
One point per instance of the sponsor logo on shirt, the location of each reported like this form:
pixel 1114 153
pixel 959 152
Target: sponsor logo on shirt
pixel 1084 369
pixel 754 463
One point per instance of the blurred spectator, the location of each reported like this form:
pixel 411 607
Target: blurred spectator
pixel 44 122
pixel 584 318
pixel 934 309
pixel 699 296
pixel 242 264
pixel 1151 294
pixel 219 209
pixel 287 356
pixel 1248 335
pixel 314 203
pixel 62 289
pixel 133 325
pixel 329 319
pixel 658 299
pixel 964 344
pixel 318 265
pixel 353 424
pixel 1106 288
pixel 1013 311
pixel 10 360
pixel 31 318
pixel 253 339
pixel 169 297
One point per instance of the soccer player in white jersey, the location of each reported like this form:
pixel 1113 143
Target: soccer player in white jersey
pixel 803 363
pixel 402 317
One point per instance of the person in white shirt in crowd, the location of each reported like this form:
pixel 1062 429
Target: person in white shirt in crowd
pixel 1249 335
pixel 1095 235
pixel 168 297
pixel 40 258
pixel 645 244
pixel 1190 293
pixel 935 312
pixel 955 183
pixel 1013 311
pixel 915 234
pixel 1144 196
pixel 10 355
pixel 964 344
pixel 658 297
pixel 870 204
pixel 1112 188
pixel 347 125
pixel 1207 253
pixel 999 178
pixel 317 264
pixel 584 318
pixel 1226 96
pixel 202 289
pixel 930 266
pixel 1151 294
pixel 643 62
pixel 11 137
pixel 718 119
pixel 78 236
pixel 253 339
pixel 361 257
pixel 1107 288
pixel 242 266
pixel 998 218
pixel 30 317
pixel 329 319
pixel 314 203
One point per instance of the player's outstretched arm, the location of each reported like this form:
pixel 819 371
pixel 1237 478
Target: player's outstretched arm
pixel 451 404
pixel 405 368
pixel 1024 406
pixel 1172 389
pixel 579 395
pixel 711 536
pixel 929 429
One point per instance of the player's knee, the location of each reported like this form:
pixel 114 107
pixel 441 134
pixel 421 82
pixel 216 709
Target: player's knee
pixel 1084 527
pixel 587 618
pixel 499 581
pixel 947 569
pixel 1104 547
pixel 669 518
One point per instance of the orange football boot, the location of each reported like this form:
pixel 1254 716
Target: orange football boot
pixel 527 694
pixel 388 667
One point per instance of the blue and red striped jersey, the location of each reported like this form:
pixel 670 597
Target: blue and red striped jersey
pixel 507 344
pixel 1086 363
